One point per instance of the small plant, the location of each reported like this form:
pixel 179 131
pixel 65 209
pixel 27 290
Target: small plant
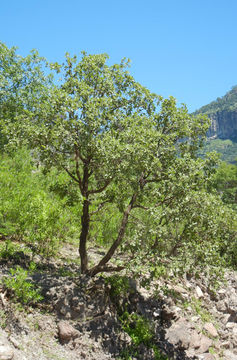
pixel 22 289
pixel 65 272
pixel 3 319
pixel 197 307
pixel 137 327
pixel 9 250
pixel 141 332
pixel 119 285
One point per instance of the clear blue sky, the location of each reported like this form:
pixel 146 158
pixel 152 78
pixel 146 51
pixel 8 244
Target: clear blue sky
pixel 184 48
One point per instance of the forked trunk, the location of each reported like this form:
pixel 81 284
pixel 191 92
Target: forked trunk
pixel 101 266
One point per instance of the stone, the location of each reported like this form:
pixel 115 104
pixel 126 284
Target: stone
pixel 195 318
pixel 230 325
pixel 178 335
pixel 205 344
pixel 232 303
pixel 194 340
pixel 157 313
pixel 206 356
pixel 199 292
pixel 179 289
pixel 221 293
pixel 14 342
pixel 6 352
pixel 221 306
pixel 228 355
pixel 210 328
pixel 168 312
pixel 66 332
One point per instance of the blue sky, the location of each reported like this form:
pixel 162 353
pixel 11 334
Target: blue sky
pixel 184 48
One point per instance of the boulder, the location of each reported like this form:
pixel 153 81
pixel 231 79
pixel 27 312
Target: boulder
pixel 211 330
pixel 66 332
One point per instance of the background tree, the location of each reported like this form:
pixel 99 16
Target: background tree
pixel 22 82
pixel 225 182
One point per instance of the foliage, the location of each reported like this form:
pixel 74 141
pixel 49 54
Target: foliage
pixel 141 332
pixel 122 159
pixel 137 327
pixel 24 291
pixel 123 146
pixel 199 309
pixel 9 250
pixel 226 149
pixel 225 182
pixel 28 210
pixel 119 285
pixel 22 83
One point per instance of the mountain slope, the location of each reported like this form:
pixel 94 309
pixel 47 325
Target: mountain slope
pixel 223 130
pixel 223 115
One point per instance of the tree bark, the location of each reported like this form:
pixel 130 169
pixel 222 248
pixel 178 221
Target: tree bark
pixel 99 267
pixel 85 222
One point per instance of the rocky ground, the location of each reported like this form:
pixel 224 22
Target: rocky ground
pixel 79 318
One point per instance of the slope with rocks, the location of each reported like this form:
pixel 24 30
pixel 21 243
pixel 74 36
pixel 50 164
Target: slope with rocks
pixel 83 318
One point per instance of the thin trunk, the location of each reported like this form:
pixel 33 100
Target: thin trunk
pixel 85 221
pixel 99 267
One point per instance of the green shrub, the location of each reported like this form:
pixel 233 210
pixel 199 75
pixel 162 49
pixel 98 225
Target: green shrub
pixel 141 332
pixel 24 291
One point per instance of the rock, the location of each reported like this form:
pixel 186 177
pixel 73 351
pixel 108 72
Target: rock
pixel 14 342
pixel 179 289
pixel 194 340
pixel 228 355
pixel 66 332
pixel 210 328
pixel 221 293
pixel 169 312
pixel 6 352
pixel 206 356
pixel 178 334
pixel 230 325
pixel 221 306
pixel 205 344
pixel 232 303
pixel 195 318
pixel 157 313
pixel 199 292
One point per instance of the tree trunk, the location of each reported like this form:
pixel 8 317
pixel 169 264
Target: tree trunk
pixel 85 222
pixel 85 219
pixel 102 264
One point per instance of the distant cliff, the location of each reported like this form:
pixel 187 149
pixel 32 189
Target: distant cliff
pixel 223 115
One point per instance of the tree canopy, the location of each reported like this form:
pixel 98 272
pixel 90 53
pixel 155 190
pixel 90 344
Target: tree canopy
pixel 127 150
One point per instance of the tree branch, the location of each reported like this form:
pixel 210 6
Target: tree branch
pixel 96 191
pixel 96 270
pixel 70 174
pixel 99 207
pixel 118 240
pixel 77 168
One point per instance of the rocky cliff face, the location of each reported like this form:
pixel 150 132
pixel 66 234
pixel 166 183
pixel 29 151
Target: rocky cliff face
pixel 223 125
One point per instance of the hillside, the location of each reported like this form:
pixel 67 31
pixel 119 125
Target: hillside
pixel 223 131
